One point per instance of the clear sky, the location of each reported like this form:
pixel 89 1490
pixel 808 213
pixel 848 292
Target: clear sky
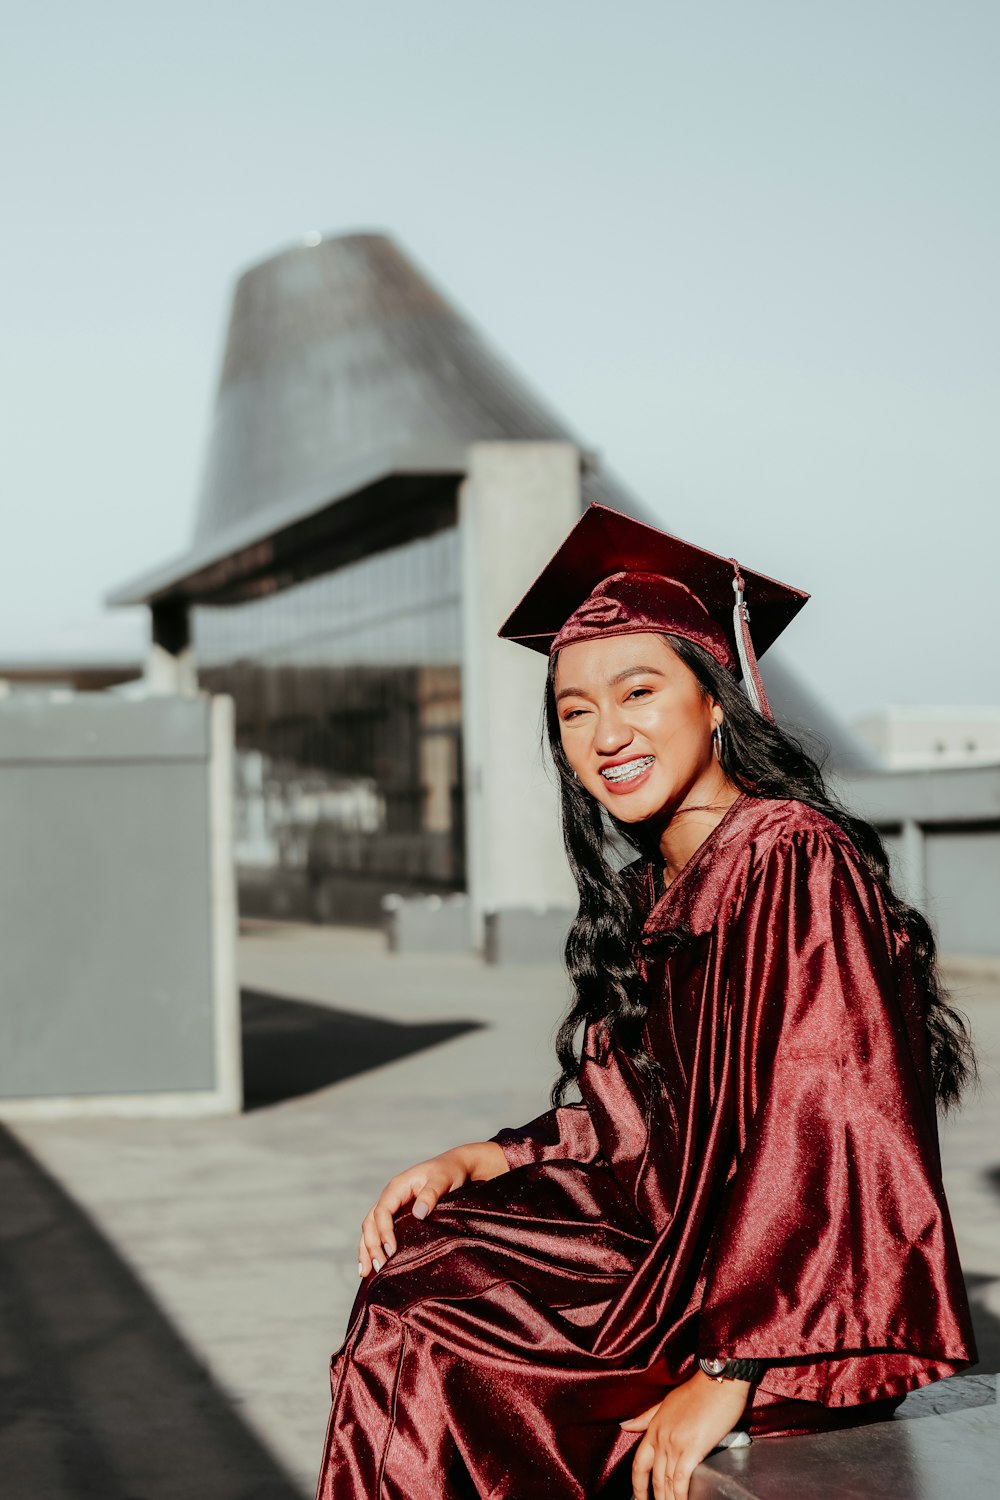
pixel 749 250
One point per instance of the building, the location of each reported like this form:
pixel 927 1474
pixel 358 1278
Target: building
pixel 379 488
pixel 942 830
pixel 921 739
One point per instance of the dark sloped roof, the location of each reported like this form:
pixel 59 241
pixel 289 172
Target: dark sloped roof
pixel 801 713
pixel 351 385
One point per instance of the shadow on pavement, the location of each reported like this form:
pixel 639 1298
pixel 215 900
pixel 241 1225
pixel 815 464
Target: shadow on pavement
pixel 985 1321
pixel 292 1047
pixel 100 1398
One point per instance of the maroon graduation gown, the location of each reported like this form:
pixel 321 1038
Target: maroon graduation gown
pixel 787 1203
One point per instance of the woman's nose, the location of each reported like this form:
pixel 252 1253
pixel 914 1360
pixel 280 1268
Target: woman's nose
pixel 612 732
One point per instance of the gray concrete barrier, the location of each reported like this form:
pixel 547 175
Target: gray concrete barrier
pixel 117 907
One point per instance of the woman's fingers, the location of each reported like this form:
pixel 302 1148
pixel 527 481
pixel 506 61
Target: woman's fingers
pixel 378 1237
pixel 427 1188
pixel 371 1256
pixel 437 1183
pixel 642 1421
pixel 376 1226
pixel 681 1479
pixel 382 1215
pixel 424 1184
pixel 642 1467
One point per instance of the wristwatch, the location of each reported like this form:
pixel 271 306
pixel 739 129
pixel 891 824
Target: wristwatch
pixel 733 1369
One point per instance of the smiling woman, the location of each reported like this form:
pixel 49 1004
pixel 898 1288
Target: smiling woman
pixel 740 1229
pixel 636 724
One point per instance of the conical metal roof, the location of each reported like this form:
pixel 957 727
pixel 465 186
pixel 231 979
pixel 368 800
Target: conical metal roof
pixel 346 367
pixel 337 353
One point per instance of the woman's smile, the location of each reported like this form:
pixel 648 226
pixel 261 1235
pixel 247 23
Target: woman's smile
pixel 625 775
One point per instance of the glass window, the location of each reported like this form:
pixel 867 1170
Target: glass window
pixel 348 712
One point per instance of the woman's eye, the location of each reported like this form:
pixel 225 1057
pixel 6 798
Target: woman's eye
pixel 571 714
pixel 639 690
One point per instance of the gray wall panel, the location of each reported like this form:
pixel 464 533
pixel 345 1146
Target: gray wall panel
pixel 109 967
pixel 963 890
pixel 92 726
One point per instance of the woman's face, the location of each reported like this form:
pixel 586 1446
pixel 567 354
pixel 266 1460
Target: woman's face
pixel 636 725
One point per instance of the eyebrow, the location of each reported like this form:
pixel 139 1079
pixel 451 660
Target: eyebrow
pixel 572 692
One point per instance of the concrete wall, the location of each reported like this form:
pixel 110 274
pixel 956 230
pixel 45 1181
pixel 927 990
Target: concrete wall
pixel 516 506
pixel 117 907
pixel 942 830
pixel 963 889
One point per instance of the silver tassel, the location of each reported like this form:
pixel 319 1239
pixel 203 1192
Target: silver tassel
pixel 744 646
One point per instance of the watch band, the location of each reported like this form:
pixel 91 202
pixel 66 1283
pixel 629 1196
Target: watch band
pixel 733 1369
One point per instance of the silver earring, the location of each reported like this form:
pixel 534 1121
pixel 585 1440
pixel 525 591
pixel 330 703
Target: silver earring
pixel 717 741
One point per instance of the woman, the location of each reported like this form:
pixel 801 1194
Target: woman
pixel 740 1229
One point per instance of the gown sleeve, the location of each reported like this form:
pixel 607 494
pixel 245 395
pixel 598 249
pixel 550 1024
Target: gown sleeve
pixel 834 1252
pixel 565 1132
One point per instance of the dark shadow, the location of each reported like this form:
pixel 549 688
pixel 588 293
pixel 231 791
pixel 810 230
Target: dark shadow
pixel 292 1047
pixel 985 1323
pixel 100 1399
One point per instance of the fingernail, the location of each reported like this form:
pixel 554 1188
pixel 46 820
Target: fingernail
pixel 377 1264
pixel 360 1270
pixel 420 1210
pixel 387 1248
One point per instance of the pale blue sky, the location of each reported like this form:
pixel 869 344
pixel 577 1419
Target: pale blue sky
pixel 749 250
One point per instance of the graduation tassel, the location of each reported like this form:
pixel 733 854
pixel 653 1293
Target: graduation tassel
pixel 744 646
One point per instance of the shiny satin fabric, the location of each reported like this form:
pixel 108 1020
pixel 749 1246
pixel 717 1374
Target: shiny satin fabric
pixel 613 574
pixel 787 1204
pixel 625 603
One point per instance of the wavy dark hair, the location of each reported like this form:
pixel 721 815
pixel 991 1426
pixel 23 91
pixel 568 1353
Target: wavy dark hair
pixel 767 761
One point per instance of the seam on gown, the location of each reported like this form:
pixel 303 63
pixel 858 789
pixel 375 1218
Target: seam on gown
pixel 343 1354
pixel 327 1442
pixel 392 1408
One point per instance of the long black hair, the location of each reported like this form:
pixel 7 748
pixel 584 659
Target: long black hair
pixel 758 757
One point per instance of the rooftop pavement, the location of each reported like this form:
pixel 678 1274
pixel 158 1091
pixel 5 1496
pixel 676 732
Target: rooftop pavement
pixel 177 1286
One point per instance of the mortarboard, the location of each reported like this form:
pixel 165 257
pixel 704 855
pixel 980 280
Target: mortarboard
pixel 616 576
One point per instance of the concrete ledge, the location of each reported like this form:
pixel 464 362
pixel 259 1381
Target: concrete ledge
pixel 971 965
pixel 526 936
pixel 427 924
pixel 943 1441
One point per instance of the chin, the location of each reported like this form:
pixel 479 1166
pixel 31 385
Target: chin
pixel 636 807
pixel 636 814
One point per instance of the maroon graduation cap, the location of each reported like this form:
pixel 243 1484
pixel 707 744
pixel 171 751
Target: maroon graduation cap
pixel 616 576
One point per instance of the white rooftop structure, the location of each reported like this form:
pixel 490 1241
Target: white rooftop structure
pixel 912 738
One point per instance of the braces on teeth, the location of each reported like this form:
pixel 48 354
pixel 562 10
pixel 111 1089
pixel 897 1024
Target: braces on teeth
pixel 626 772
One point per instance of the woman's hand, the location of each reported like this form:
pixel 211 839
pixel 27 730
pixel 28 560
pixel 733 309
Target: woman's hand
pixel 476 1162
pixel 685 1427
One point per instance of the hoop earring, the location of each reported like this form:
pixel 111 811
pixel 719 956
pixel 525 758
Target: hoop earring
pixel 717 741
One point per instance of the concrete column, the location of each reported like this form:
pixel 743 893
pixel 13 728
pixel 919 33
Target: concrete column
pixel 516 506
pixel 224 915
pixel 170 666
pixel 913 862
